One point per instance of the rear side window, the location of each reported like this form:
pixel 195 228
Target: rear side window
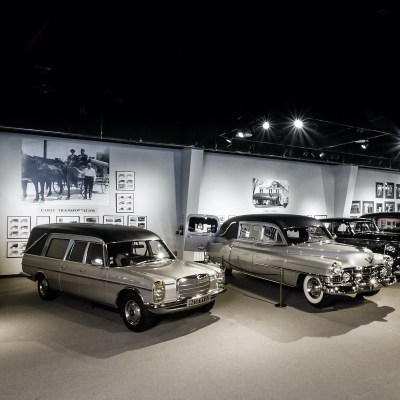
pixel 57 248
pixel 249 232
pixel 37 248
pixel 77 251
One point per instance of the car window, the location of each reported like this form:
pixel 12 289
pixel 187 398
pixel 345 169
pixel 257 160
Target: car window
pixel 249 231
pixel 307 234
pixel 77 251
pixel 95 252
pixel 57 248
pixel 232 231
pixel 37 247
pixel 271 235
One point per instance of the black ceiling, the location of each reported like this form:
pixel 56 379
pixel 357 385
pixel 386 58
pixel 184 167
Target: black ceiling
pixel 190 75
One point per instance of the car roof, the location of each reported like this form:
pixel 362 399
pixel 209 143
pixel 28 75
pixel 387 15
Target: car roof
pixel 359 219
pixel 378 215
pixel 282 220
pixel 107 232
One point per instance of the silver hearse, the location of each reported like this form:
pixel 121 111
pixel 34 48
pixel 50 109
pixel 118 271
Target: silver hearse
pixel 297 251
pixel 128 268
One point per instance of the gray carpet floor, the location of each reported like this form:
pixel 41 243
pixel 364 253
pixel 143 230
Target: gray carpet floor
pixel 245 348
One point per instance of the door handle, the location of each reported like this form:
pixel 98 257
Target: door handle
pixel 83 270
pixel 63 266
pixel 201 247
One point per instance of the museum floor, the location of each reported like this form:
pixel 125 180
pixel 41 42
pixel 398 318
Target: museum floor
pixel 246 348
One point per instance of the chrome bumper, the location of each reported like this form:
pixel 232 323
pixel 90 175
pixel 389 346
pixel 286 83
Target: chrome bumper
pixel 179 305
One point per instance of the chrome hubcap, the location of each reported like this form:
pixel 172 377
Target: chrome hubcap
pixel 43 287
pixel 132 312
pixel 314 288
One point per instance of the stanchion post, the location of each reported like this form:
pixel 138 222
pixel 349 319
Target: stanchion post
pixel 280 304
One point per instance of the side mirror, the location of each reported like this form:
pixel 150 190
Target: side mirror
pixel 96 262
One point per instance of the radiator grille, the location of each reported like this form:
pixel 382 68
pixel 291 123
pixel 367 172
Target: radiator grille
pixel 193 285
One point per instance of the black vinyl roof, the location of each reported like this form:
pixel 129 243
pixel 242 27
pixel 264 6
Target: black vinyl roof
pixel 382 215
pixel 282 220
pixel 107 232
pixel 360 219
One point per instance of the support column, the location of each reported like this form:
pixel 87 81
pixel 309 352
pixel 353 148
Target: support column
pixel 345 181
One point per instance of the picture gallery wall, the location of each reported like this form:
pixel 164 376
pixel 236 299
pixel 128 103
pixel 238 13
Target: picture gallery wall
pixel 43 181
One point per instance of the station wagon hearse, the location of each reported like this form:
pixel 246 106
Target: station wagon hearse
pixel 127 268
pixel 296 251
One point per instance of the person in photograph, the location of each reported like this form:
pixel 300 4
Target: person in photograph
pixel 72 158
pixel 83 158
pixel 89 176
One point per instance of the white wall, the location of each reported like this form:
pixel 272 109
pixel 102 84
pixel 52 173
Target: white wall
pixel 226 186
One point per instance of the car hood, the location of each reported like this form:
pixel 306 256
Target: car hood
pixel 169 270
pixel 344 253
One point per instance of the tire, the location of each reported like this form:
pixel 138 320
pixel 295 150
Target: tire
pixel 207 307
pixel 134 314
pixel 370 293
pixel 312 289
pixel 44 289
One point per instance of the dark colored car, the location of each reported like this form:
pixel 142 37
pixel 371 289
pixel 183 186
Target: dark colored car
pixel 386 221
pixel 364 232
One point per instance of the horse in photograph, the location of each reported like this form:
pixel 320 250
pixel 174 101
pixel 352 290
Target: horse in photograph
pixel 43 173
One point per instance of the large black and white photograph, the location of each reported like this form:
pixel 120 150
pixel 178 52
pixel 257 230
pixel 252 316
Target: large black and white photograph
pixel 64 171
pixel 379 189
pixel 270 193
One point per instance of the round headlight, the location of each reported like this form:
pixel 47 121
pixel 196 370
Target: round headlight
pixel 388 260
pixel 346 276
pixel 336 268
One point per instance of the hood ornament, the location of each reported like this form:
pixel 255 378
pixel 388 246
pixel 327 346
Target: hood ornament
pixel 370 259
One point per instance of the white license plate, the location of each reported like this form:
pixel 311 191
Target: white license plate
pixel 198 300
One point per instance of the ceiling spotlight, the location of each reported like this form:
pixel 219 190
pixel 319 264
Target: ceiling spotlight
pixel 322 154
pixel 298 123
pixel 229 140
pixel 243 134
pixel 266 125
pixel 365 144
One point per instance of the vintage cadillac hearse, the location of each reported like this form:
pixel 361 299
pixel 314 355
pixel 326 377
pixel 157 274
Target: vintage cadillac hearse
pixel 128 268
pixel 297 251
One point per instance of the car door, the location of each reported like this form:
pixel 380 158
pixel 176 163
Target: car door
pixel 269 253
pixel 198 231
pixel 243 247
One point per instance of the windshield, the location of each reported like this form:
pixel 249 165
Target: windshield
pixel 367 226
pixel 138 252
pixel 296 235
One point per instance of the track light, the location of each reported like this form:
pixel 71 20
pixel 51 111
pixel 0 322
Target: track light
pixel 365 144
pixel 322 154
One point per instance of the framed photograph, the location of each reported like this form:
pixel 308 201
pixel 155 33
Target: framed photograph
pixel 355 207
pixel 125 180
pixel 73 219
pixel 15 249
pixel 91 219
pixel 41 219
pixel 137 220
pixel 379 189
pixel 18 227
pixel 389 206
pixel 398 207
pixel 113 219
pixel 368 207
pixel 379 207
pixel 124 202
pixel 389 190
pixel 397 191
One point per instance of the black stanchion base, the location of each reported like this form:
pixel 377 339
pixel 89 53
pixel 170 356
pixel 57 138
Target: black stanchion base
pixel 280 305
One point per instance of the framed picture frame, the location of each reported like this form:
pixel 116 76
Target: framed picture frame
pixel 137 220
pixel 15 249
pixel 91 219
pixel 389 190
pixel 389 206
pixel 69 219
pixel 379 189
pixel 113 219
pixel 398 207
pixel 355 207
pixel 125 180
pixel 379 207
pixel 124 202
pixel 368 207
pixel 42 219
pixel 397 191
pixel 18 227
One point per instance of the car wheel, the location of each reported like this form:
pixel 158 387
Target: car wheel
pixel 134 314
pixel 44 289
pixel 312 288
pixel 370 293
pixel 207 307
